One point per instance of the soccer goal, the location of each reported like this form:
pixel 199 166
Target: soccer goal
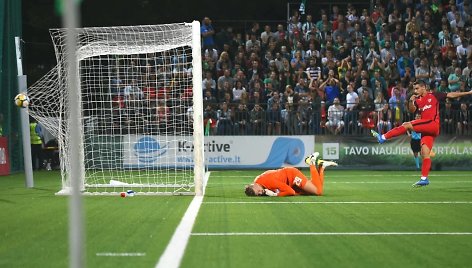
pixel 141 108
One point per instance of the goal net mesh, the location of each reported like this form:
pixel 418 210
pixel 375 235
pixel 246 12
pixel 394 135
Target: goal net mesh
pixel 136 99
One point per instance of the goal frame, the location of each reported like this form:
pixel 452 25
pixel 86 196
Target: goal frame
pixel 198 132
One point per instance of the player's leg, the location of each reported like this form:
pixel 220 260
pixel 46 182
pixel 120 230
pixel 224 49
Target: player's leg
pixel 316 180
pixel 310 187
pixel 400 130
pixel 423 126
pixel 426 146
pixel 317 175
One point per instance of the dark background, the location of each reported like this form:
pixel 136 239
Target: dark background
pixel 40 15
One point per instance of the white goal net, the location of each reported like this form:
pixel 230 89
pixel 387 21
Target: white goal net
pixel 141 108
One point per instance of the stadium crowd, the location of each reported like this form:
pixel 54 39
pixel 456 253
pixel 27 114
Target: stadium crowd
pixel 340 71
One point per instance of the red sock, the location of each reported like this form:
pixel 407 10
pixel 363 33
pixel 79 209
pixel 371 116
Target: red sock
pixel 425 167
pixel 315 179
pixel 400 130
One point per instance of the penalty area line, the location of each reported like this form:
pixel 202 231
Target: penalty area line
pixel 174 251
pixel 339 202
pixel 357 182
pixel 336 234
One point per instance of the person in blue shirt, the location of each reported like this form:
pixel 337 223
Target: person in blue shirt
pixel 207 33
pixel 405 61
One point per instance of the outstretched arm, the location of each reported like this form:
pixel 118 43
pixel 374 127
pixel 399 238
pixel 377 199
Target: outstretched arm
pixel 458 94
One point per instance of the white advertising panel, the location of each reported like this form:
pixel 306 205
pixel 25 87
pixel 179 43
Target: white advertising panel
pixel 220 151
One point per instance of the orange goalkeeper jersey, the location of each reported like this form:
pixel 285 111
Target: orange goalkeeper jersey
pixel 282 181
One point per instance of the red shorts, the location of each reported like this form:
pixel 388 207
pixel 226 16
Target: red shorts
pixel 428 128
pixel 428 141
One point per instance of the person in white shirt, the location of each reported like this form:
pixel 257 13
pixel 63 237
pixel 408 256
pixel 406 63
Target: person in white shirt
pixel 335 122
pixel 352 99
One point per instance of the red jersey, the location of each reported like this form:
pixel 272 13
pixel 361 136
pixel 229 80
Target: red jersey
pixel 428 105
pixel 282 180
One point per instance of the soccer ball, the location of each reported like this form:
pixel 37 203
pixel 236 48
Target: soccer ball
pixel 22 100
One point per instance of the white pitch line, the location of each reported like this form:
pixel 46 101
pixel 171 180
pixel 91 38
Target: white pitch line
pixel 350 176
pixel 338 202
pixel 174 251
pixel 356 182
pixel 120 254
pixel 334 234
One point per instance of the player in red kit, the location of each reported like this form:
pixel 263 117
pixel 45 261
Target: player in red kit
pixel 427 104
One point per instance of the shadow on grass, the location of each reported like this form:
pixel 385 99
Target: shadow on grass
pixel 6 201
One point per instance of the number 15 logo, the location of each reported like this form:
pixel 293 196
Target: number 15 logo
pixel 331 151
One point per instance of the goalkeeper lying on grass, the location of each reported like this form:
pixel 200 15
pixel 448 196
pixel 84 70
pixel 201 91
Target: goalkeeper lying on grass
pixel 291 181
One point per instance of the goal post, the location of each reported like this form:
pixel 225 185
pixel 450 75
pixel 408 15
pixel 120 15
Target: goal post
pixel 141 108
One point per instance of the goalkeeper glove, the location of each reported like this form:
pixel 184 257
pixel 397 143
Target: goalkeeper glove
pixel 269 192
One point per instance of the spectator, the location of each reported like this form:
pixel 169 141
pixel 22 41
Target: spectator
pixel 294 26
pixel 241 120
pixel 207 32
pixel 462 53
pixel 312 53
pixel 253 42
pixel 308 25
pixel 335 122
pixel 443 86
pixel 274 119
pixel 384 121
pixel 266 35
pixel 298 61
pixel 366 108
pixel 212 53
pixel 257 119
pixel 225 120
pixel 364 87
pixel 304 114
pixel 281 35
pixel 352 101
pixel 226 77
pixel 210 119
pixel 223 63
pixel 331 87
pixel 289 117
pixel 302 89
pixel 210 81
pixel 132 91
pixel 397 106
pixel 467 71
pixel 457 22
pixel 161 117
pixel 405 62
pixel 448 115
pixel 255 68
pixel 465 119
pixel 208 96
pixel 454 80
pixel 238 91
pixel 436 71
pixel 423 71
pixel 387 50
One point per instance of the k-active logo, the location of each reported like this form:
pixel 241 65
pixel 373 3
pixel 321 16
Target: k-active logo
pixel 148 149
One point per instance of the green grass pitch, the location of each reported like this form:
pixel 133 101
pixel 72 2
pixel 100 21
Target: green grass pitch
pixel 412 226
